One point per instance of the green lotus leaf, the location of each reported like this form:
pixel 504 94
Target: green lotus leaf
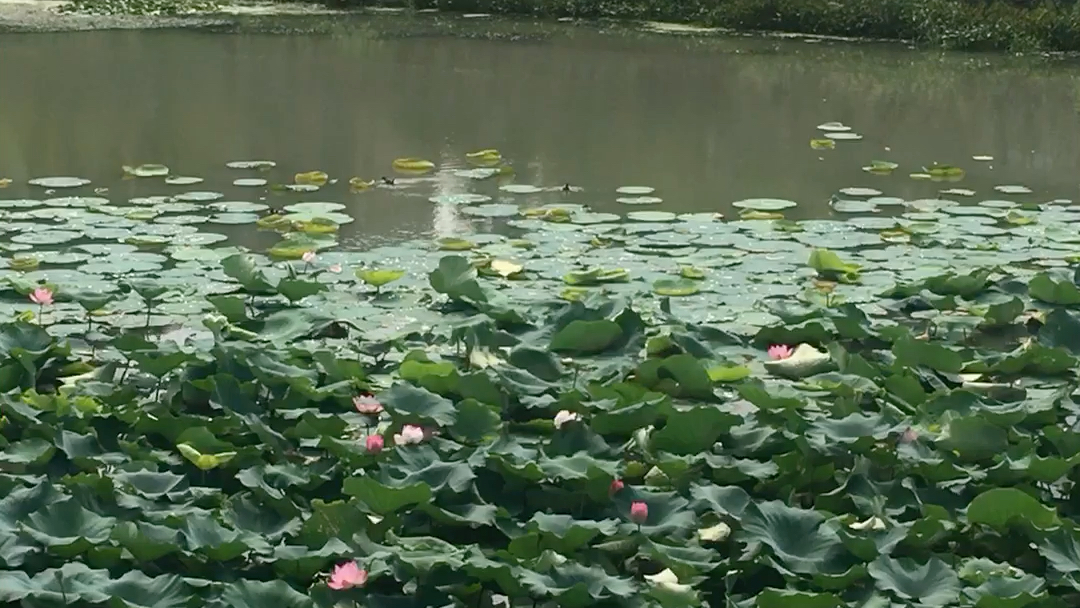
pixel 931 584
pixel 456 278
pixel 1045 288
pixel 242 268
pixel 384 499
pixel 829 266
pixel 136 590
pixel 694 430
pixel 297 289
pixel 597 276
pixel 146 541
pixel 789 598
pixel 675 288
pixel 575 585
pixel 67 528
pixel 205 462
pixel 412 404
pixel 680 375
pixel 565 534
pixel 796 536
pixel 973 437
pixel 378 277
pixel 586 337
pixel 474 421
pixel 258 594
pixel 999 507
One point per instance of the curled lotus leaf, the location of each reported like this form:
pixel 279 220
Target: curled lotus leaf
pixel 377 277
pixel 413 165
pixel 311 178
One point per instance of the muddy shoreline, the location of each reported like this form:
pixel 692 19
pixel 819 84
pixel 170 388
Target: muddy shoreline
pixel 46 16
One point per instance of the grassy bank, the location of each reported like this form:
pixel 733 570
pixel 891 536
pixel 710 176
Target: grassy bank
pixel 957 24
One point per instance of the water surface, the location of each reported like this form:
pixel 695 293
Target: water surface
pixel 704 121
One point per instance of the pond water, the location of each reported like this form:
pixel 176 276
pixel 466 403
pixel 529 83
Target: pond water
pixel 705 122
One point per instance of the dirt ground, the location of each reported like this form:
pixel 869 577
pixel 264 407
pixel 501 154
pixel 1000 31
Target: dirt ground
pixel 44 16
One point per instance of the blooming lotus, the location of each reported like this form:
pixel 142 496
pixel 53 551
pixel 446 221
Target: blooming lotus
pixel 780 351
pixel 42 296
pixel 565 416
pixel 410 433
pixel 374 444
pixel 367 404
pixel 308 257
pixel 616 486
pixel 347 576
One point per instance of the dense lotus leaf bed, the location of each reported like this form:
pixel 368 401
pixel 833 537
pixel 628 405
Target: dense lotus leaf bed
pixel 563 408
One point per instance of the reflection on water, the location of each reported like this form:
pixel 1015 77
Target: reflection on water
pixel 704 122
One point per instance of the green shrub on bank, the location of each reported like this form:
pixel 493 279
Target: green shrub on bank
pixel 1017 25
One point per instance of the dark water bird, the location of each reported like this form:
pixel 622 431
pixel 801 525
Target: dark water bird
pixel 389 181
pixel 567 187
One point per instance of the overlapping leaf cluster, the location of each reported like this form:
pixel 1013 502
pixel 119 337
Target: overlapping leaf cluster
pixel 933 465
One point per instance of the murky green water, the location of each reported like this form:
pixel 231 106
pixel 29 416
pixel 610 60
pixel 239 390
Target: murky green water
pixel 704 122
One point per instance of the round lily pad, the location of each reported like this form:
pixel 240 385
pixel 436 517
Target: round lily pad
pixel 651 216
pixel 857 191
pixel 148 170
pixel 635 190
pixel 520 189
pixel 182 180
pixel 314 208
pixel 249 182
pixel 639 200
pixel 850 206
pixel 764 204
pixel 251 164
pixel 833 127
pixel 239 207
pixel 59 182
pixel 467 198
pixel 492 210
pixel 197 196
pixel 301 187
pixel 844 136
pixel 1013 189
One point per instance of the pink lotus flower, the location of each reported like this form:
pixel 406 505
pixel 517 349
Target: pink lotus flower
pixel 639 512
pixel 909 435
pixel 780 351
pixel 42 296
pixel 374 444
pixel 335 268
pixel 564 417
pixel 347 576
pixel 366 404
pixel 409 434
pixel 616 486
pixel 308 257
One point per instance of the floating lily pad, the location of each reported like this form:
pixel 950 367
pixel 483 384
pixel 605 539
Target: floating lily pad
pixel 199 196
pixel 857 191
pixel 251 164
pixel 249 182
pixel 467 198
pixel 182 180
pixel 1013 189
pixel 639 200
pixel 314 208
pixel 239 207
pixel 520 189
pixel 493 210
pixel 676 287
pixel 850 206
pixel 833 127
pixel 841 136
pixel 764 204
pixel 651 216
pixel 150 170
pixel 59 182
pixel 635 190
